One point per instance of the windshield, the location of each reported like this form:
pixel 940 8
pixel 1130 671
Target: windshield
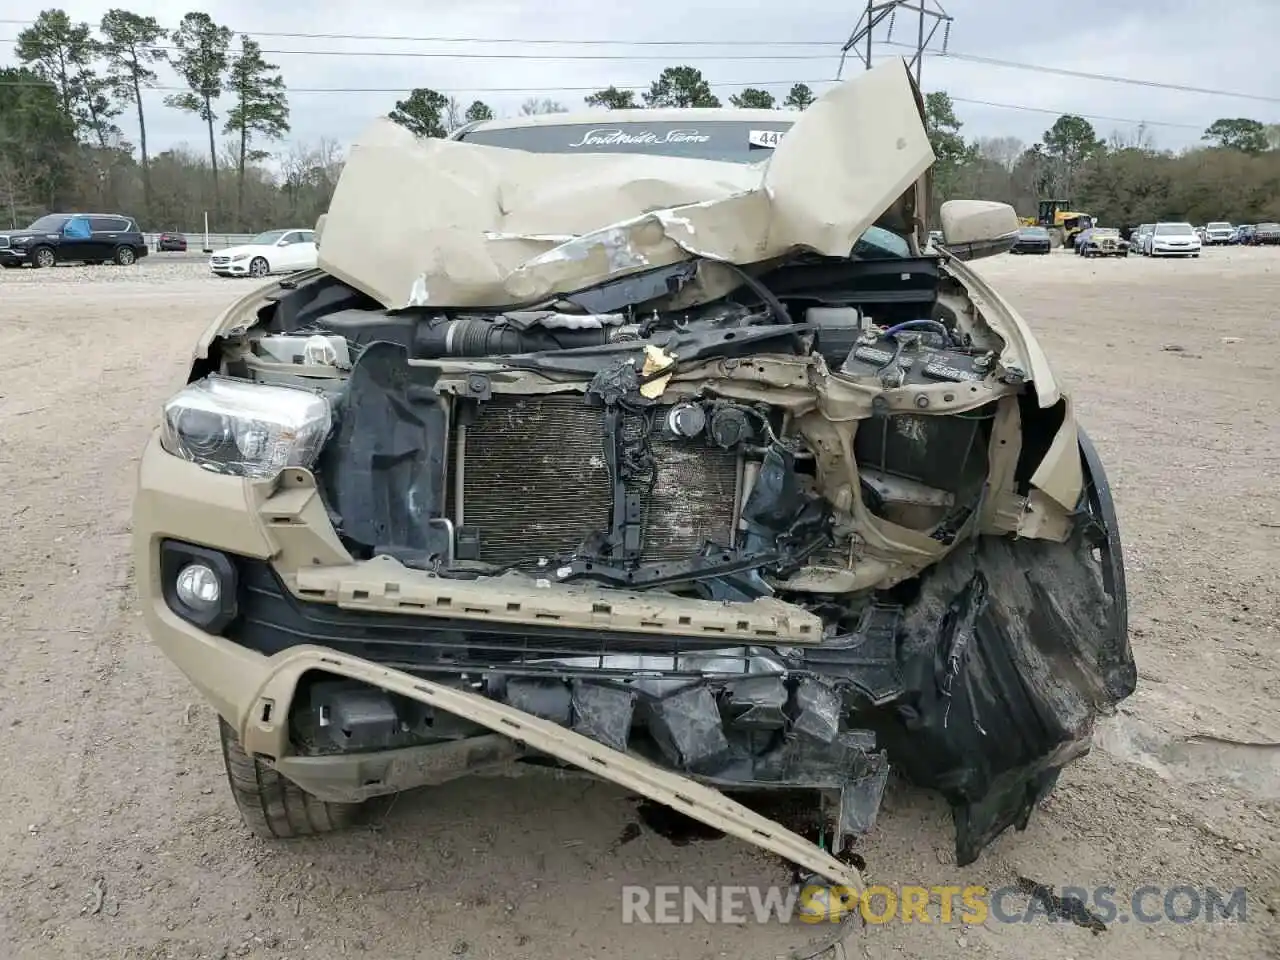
pixel 1174 229
pixel 1034 232
pixel 735 141
pixel 1105 232
pixel 50 224
pixel 268 238
pixel 1218 226
pixel 1268 226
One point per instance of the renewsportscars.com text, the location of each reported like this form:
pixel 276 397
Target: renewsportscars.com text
pixel 815 903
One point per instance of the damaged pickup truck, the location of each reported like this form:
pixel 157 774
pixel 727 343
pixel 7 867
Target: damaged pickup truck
pixel 651 443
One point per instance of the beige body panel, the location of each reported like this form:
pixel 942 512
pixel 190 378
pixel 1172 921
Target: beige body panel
pixel 240 683
pixel 478 225
pixel 693 799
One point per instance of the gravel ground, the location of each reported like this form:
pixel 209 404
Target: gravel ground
pixel 118 838
pixel 159 267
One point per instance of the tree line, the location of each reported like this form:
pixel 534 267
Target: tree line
pixel 1123 180
pixel 62 145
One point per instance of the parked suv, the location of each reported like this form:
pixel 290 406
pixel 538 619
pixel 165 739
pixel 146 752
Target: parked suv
pixel 1218 232
pixel 74 238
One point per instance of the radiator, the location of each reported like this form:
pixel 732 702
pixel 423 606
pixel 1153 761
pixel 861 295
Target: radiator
pixel 535 483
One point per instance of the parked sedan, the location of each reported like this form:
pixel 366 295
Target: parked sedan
pixel 276 251
pixel 1138 239
pixel 1173 239
pixel 1031 240
pixel 174 242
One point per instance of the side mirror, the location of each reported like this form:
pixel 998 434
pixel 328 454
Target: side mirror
pixel 974 229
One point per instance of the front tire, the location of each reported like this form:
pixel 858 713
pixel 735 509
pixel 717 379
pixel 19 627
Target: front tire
pixel 272 806
pixel 125 256
pixel 259 268
pixel 43 257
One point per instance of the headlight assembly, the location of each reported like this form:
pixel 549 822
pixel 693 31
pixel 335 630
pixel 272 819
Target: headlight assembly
pixel 245 429
pixel 239 256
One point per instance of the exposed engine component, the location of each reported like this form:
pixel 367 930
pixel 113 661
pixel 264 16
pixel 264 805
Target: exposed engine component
pixel 836 330
pixel 686 420
pixel 309 349
pixel 519 453
pixel 516 333
pixel 730 426
pixel 922 351
pixel 918 471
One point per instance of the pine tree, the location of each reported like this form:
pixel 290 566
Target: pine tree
pixel 261 109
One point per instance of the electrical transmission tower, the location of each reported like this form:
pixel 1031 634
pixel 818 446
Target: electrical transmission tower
pixel 878 11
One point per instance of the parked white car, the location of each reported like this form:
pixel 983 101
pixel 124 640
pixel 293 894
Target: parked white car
pixel 1218 232
pixel 1172 240
pixel 276 251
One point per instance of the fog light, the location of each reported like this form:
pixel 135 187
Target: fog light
pixel 198 587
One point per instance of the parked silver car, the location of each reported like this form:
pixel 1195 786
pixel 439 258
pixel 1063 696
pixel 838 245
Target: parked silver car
pixel 1172 239
pixel 1138 239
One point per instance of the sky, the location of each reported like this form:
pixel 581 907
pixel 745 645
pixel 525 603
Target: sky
pixel 1219 46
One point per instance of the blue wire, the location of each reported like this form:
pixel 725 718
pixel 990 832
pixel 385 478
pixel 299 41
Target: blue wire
pixel 916 323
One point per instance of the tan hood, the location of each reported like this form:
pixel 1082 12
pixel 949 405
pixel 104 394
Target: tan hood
pixel 454 224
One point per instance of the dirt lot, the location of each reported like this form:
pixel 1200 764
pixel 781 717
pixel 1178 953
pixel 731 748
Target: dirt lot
pixel 119 840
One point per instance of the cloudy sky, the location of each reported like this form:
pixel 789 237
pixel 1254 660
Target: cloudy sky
pixel 1219 46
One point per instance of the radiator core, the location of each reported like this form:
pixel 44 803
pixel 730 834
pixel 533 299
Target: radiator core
pixel 535 483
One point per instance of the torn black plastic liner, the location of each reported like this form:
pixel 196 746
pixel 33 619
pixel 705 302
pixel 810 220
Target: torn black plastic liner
pixel 1010 651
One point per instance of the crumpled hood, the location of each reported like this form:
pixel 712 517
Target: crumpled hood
pixel 444 223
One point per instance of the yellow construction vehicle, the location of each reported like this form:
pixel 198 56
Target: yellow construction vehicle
pixel 1063 223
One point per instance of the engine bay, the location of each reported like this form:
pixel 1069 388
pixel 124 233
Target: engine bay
pixel 610 438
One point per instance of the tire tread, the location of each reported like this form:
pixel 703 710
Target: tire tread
pixel 272 806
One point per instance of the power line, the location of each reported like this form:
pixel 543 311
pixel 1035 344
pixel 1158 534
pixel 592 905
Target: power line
pixel 945 54
pixel 564 42
pixel 632 86
pixel 442 55
pixel 1086 116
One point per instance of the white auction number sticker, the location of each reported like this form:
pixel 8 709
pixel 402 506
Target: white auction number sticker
pixel 764 138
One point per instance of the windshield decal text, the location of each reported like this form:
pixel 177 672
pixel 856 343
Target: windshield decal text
pixel 609 137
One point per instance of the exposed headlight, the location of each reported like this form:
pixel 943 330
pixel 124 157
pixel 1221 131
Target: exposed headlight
pixel 245 429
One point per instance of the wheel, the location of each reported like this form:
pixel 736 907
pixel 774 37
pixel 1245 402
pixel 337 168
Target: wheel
pixel 43 257
pixel 125 256
pixel 258 267
pixel 272 806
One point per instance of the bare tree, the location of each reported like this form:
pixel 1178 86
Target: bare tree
pixel 453 113
pixel 1003 151
pixel 536 105
pixel 1139 138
